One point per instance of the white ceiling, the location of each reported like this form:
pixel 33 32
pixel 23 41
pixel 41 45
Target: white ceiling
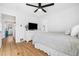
pixel 22 7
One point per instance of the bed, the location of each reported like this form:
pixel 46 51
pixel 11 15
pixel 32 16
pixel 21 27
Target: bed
pixel 56 44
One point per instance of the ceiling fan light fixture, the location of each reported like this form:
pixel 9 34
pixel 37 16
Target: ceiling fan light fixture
pixel 39 10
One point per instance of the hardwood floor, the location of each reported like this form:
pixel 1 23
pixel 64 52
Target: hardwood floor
pixel 10 48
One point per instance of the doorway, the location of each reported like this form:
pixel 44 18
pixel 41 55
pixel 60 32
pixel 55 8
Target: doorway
pixel 8 25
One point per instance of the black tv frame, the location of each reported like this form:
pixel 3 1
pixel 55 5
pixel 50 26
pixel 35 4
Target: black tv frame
pixel 32 26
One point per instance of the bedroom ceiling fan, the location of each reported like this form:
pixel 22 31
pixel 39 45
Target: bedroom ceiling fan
pixel 40 6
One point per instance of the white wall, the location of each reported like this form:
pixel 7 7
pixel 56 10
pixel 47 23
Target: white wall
pixel 0 32
pixel 63 20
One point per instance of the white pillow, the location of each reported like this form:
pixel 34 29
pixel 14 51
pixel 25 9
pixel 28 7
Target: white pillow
pixel 75 30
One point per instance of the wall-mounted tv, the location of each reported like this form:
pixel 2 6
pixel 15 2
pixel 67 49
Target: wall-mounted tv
pixel 32 26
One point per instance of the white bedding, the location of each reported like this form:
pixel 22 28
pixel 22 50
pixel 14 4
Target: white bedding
pixel 56 43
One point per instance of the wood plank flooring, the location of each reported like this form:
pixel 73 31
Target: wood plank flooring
pixel 20 49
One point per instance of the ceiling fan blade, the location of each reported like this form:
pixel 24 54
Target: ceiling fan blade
pixel 36 10
pixel 48 5
pixel 31 5
pixel 44 10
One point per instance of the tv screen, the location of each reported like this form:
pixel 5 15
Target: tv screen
pixel 32 26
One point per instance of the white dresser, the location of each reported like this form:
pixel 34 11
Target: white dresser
pixel 29 35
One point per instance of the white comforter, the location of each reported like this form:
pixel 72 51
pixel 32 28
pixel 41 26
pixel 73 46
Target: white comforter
pixel 56 43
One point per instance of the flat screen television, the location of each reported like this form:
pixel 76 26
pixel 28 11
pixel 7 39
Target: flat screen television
pixel 32 26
